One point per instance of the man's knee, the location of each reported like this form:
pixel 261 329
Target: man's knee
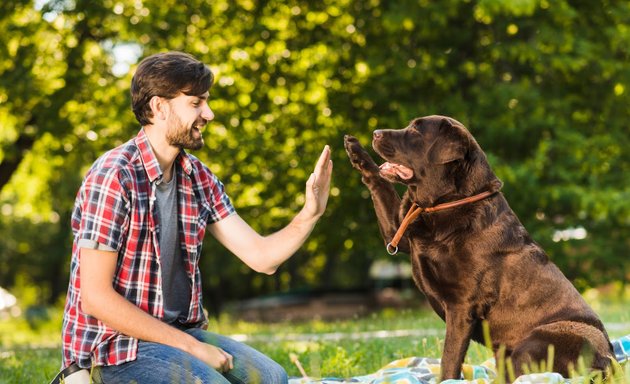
pixel 263 371
pixel 275 374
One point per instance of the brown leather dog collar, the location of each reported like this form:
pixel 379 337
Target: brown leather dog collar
pixel 415 211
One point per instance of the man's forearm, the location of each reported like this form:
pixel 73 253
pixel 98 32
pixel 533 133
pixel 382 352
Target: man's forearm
pixel 119 314
pixel 263 253
pixel 281 245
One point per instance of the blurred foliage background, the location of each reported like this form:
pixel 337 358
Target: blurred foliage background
pixel 543 85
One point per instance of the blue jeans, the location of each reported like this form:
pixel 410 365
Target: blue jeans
pixel 161 364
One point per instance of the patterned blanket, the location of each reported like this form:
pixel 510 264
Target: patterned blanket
pixel 419 370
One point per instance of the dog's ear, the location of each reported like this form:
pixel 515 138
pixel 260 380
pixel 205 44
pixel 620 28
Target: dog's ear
pixel 450 145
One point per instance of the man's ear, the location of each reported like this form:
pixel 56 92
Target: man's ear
pixel 450 145
pixel 158 107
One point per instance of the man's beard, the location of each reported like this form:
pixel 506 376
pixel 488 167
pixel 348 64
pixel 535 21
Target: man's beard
pixel 178 135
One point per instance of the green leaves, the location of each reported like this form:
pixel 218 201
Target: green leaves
pixel 543 86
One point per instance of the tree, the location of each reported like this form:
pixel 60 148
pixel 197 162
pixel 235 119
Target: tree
pixel 542 87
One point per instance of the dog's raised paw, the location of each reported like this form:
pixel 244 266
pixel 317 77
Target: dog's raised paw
pixel 359 158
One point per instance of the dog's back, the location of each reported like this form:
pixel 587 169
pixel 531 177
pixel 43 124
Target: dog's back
pixel 534 304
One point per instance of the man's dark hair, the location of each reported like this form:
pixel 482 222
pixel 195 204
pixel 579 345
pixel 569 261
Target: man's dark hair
pixel 167 75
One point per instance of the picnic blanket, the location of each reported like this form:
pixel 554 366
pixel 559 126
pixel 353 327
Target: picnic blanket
pixel 420 370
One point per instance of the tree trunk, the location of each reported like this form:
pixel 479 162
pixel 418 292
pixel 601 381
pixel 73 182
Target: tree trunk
pixel 10 163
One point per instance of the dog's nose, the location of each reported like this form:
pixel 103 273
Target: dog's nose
pixel 378 134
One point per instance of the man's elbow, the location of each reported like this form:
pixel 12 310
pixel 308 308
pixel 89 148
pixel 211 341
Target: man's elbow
pixel 87 306
pixel 261 263
pixel 89 303
pixel 266 269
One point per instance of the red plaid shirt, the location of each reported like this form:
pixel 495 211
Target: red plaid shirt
pixel 115 207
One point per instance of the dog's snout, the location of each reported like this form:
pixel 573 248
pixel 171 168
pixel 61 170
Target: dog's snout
pixel 378 134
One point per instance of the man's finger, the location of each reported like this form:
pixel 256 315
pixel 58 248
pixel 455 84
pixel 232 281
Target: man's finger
pixel 329 168
pixel 323 159
pixel 228 364
pixel 324 177
pixel 311 181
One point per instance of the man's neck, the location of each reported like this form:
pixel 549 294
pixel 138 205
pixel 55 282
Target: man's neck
pixel 164 152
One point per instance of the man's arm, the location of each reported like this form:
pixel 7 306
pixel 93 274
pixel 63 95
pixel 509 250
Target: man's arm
pixel 100 300
pixel 266 253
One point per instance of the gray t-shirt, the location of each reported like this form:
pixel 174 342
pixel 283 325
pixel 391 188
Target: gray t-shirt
pixel 176 288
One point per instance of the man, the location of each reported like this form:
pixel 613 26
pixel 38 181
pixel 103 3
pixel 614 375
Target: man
pixel 133 310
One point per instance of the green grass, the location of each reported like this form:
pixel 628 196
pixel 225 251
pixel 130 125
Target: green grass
pixel 23 365
pixel 30 353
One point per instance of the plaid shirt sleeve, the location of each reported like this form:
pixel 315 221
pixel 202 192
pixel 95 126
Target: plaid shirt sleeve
pixel 104 209
pixel 222 205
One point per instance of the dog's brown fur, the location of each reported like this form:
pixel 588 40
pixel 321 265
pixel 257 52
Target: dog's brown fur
pixel 475 262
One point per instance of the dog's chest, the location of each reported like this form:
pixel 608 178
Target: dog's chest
pixel 449 273
pixel 436 267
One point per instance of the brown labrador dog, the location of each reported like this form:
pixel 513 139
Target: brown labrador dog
pixel 471 256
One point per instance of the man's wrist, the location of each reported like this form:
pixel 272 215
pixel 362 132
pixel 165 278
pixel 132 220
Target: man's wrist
pixel 187 343
pixel 306 218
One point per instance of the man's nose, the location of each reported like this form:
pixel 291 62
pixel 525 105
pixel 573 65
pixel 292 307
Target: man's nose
pixel 207 113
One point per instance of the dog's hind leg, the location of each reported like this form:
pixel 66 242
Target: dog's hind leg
pixel 384 197
pixel 571 340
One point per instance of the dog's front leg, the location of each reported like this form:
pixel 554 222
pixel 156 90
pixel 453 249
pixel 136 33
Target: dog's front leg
pixel 459 328
pixel 384 196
